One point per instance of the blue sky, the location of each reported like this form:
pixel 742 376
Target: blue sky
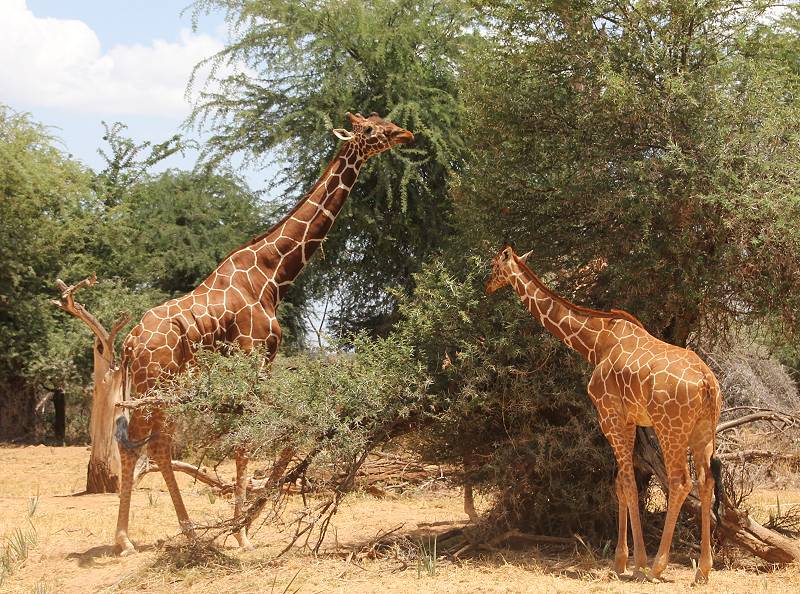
pixel 126 21
pixel 73 63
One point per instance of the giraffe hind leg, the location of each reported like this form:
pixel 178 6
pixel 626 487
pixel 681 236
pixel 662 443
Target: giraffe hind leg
pixel 160 448
pixel 621 553
pixel 707 481
pixel 680 483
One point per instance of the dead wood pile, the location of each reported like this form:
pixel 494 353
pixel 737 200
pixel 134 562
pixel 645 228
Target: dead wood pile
pixel 382 474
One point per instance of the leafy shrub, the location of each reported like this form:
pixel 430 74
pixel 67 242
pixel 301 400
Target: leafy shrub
pixel 338 402
pixel 513 399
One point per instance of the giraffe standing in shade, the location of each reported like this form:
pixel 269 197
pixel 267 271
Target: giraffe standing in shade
pixel 638 381
pixel 235 305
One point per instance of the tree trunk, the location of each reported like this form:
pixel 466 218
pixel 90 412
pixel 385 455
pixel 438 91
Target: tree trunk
pixel 735 524
pixel 104 466
pixel 60 419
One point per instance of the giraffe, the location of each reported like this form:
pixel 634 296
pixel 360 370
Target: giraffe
pixel 638 380
pixel 235 305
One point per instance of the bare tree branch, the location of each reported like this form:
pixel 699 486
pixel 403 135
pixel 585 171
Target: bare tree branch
pixel 754 455
pixel 766 415
pixel 72 307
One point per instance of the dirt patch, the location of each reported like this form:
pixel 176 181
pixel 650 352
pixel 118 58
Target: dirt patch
pixel 72 550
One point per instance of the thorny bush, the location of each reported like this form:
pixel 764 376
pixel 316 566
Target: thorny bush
pixel 337 402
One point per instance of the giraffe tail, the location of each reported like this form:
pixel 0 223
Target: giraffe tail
pixel 716 472
pixel 121 435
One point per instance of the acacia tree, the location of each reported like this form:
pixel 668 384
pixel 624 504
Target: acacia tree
pixel 663 137
pixel 147 236
pixel 306 64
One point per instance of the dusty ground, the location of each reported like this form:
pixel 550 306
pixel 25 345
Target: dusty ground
pixel 70 536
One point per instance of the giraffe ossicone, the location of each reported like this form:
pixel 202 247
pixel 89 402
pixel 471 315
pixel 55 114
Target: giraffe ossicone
pixel 638 380
pixel 236 304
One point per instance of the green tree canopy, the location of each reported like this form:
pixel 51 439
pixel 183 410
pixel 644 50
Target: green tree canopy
pixel 171 230
pixel 309 62
pixel 41 191
pixel 148 237
pixel 662 137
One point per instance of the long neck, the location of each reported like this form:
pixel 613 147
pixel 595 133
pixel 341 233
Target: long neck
pixel 285 249
pixel 575 328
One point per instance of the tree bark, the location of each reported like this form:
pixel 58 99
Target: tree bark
pixel 735 525
pixel 60 418
pixel 102 474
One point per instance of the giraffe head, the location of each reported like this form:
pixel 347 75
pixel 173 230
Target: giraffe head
pixel 504 266
pixel 373 134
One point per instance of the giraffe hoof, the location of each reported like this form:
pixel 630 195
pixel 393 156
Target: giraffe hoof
pixel 700 578
pixel 127 550
pixel 245 544
pixel 644 575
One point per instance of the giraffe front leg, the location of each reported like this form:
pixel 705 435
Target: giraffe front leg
pixel 128 459
pixel 621 436
pixel 632 502
pixel 468 462
pixel 240 496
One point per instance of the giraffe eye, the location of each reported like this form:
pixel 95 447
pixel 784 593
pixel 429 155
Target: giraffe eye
pixel 367 129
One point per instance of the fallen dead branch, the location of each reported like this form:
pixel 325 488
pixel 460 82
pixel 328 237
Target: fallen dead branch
pixel 761 456
pixel 217 485
pixel 194 553
pixel 379 468
pixel 785 419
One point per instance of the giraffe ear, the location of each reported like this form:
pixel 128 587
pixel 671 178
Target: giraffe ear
pixel 524 257
pixel 342 134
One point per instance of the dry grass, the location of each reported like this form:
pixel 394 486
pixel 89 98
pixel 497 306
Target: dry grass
pixel 73 552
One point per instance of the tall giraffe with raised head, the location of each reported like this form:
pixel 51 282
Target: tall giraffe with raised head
pixel 638 380
pixel 235 305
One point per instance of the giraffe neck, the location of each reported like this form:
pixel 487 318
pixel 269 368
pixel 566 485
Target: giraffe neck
pixel 575 328
pixel 283 251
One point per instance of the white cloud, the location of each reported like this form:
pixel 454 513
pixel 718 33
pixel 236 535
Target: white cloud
pixel 59 63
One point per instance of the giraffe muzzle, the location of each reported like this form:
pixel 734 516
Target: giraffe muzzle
pixel 403 137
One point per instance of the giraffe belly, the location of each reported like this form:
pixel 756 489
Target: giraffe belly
pixel 641 417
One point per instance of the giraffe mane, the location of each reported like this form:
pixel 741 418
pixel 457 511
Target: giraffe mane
pixel 587 311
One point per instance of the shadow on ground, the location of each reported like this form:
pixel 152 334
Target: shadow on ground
pixel 569 560
pixel 95 556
